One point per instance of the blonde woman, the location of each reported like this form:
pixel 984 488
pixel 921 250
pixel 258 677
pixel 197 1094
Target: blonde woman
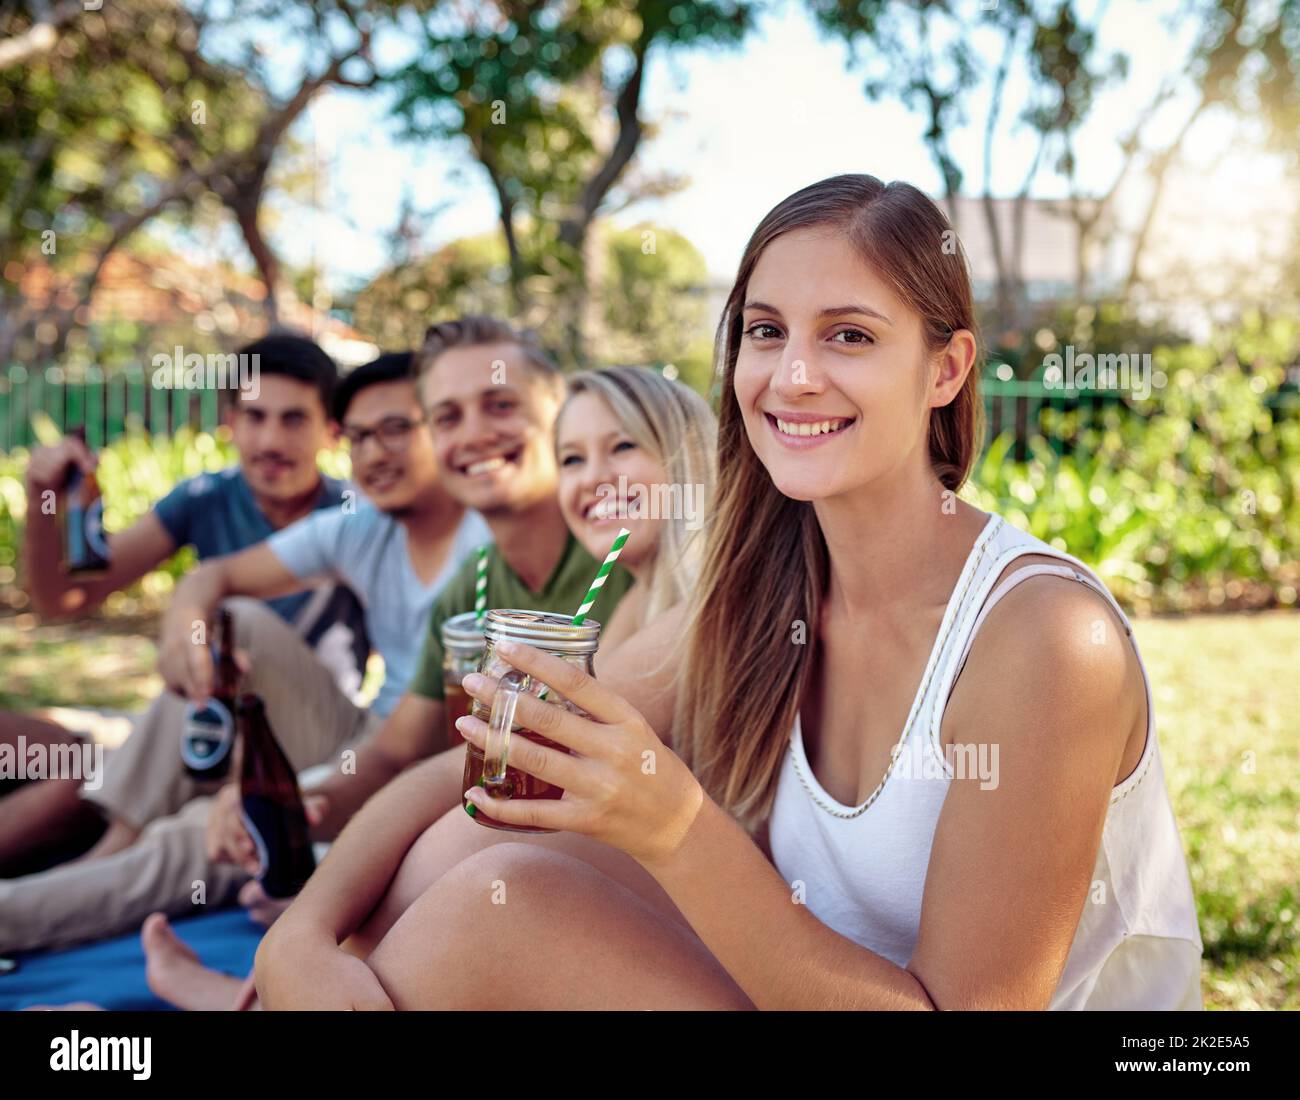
pixel 636 450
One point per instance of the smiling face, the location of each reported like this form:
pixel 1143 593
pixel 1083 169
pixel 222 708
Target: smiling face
pixel 392 452
pixel 833 378
pixel 492 426
pixel 595 451
pixel 278 434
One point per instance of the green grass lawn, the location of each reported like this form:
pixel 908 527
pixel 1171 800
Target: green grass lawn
pixel 105 664
pixel 1227 697
pixel 1227 694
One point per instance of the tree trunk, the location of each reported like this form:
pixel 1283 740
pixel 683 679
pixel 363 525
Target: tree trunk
pixel 246 204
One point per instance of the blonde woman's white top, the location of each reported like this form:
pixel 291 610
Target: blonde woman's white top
pixel 862 868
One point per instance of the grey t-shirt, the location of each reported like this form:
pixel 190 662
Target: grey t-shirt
pixel 217 514
pixel 366 549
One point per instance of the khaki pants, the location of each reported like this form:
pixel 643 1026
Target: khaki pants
pixel 146 785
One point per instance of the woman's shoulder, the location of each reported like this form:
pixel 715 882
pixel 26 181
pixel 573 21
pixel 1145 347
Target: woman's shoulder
pixel 656 633
pixel 1052 655
pixel 644 667
pixel 625 621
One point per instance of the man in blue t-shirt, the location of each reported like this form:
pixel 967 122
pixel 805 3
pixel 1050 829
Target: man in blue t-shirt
pixel 279 427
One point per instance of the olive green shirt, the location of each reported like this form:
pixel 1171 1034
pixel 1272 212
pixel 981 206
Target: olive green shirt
pixel 563 592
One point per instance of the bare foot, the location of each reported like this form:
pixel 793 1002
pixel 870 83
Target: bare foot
pixel 117 836
pixel 174 973
pixel 261 909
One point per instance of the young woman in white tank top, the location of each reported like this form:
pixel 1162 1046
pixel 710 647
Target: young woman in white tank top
pixel 914 761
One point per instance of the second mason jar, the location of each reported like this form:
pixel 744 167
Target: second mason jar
pixel 462 653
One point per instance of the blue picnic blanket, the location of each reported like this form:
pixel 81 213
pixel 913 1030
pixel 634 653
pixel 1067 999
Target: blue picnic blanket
pixel 110 973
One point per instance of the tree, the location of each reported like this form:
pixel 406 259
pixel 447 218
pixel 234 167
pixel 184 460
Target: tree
pixel 922 53
pixel 90 151
pixel 547 96
pixel 655 306
pixel 466 276
pixel 142 108
pixel 652 285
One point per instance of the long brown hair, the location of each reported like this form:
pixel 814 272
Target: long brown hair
pixel 766 565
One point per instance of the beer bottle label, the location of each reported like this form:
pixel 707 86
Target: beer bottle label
pixel 279 833
pixel 75 551
pixel 259 816
pixel 94 529
pixel 208 735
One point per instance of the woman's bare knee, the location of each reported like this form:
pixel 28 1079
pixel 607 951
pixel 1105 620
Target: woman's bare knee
pixel 520 926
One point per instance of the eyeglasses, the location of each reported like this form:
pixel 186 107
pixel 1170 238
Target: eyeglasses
pixel 392 433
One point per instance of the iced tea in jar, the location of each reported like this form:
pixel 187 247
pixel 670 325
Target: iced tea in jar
pixel 552 633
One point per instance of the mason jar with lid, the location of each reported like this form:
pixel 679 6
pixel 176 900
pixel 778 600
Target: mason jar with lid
pixel 552 633
pixel 462 650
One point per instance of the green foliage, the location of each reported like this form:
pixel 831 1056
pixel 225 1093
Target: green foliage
pixel 1179 500
pixel 93 133
pixel 650 281
pixel 655 310
pixel 533 90
pixel 466 276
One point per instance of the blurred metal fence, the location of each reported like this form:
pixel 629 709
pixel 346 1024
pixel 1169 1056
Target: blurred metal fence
pixel 108 407
pixel 1018 406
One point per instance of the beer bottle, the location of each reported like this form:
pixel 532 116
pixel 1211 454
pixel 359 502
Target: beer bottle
pixel 272 805
pixel 209 733
pixel 85 546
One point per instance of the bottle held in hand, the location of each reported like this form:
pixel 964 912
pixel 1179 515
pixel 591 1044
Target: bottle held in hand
pixel 85 545
pixel 209 732
pixel 272 806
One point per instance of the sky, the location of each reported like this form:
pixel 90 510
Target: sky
pixel 747 127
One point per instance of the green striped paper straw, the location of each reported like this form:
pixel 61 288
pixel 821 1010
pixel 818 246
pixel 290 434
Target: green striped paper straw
pixel 598 583
pixel 480 587
pixel 601 574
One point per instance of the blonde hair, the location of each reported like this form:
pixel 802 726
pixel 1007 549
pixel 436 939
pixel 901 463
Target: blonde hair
pixel 766 565
pixel 675 425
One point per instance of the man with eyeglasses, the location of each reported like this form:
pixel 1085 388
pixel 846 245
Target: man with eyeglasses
pixel 396 549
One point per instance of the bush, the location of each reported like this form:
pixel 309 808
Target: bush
pixel 1188 499
pixel 1185 500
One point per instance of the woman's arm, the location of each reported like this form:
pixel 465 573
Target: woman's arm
pixel 299 962
pixel 1010 865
